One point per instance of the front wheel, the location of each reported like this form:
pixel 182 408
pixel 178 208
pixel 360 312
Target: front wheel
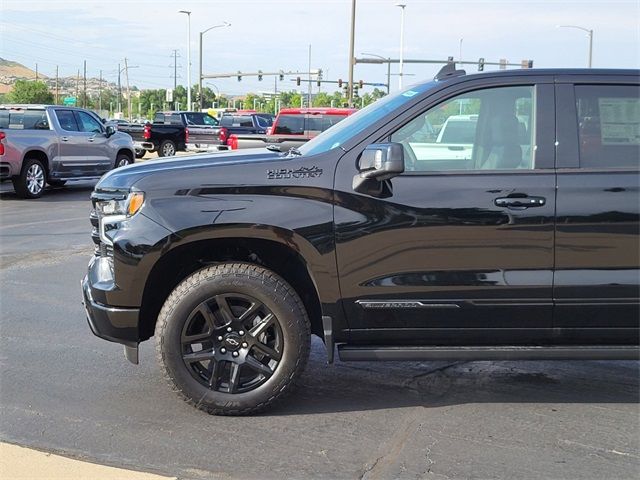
pixel 167 149
pixel 30 182
pixel 232 338
pixel 123 160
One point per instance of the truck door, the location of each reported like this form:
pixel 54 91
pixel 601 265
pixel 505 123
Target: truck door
pixel 597 279
pixel 95 152
pixel 462 246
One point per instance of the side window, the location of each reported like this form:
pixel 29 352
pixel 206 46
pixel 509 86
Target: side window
pixel 490 129
pixel 173 119
pixel 608 125
pixel 67 120
pixel 158 118
pixel 24 119
pixel 226 121
pixel 87 123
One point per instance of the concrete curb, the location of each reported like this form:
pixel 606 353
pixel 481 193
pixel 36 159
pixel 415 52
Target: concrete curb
pixel 20 463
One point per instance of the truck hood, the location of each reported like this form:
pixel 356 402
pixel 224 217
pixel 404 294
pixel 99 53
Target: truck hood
pixel 126 177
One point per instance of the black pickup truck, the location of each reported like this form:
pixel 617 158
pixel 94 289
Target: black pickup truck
pixel 381 242
pixel 175 131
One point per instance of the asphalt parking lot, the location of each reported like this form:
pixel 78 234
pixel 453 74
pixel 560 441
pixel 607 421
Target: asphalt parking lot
pixel 65 391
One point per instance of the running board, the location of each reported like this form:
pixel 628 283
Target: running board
pixel 612 352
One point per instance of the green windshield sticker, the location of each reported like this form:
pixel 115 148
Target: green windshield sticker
pixel 409 93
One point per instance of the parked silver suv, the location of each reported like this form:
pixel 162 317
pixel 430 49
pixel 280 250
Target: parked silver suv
pixel 52 144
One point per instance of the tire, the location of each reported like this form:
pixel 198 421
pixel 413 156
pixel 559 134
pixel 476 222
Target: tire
pixel 122 160
pixel 140 153
pixel 57 183
pixel 232 339
pixel 167 149
pixel 30 183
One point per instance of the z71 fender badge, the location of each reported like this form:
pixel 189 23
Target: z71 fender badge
pixel 302 172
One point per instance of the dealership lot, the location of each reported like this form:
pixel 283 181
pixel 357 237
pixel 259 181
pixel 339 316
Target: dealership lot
pixel 65 391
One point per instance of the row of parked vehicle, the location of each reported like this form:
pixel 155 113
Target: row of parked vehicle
pixel 199 132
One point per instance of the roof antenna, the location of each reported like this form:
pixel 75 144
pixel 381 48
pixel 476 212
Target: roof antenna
pixel 449 70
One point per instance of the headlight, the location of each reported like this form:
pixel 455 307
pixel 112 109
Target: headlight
pixel 127 205
pixel 111 211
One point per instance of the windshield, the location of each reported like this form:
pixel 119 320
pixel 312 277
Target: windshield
pixel 337 135
pixel 197 118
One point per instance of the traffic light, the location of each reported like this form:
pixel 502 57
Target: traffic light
pixel 319 81
pixel 298 81
pixel 339 83
pixel 481 64
pixel 259 75
pixel 355 91
pixel 239 76
pixel 281 76
pixel 530 64
pixel 361 84
pixel 449 59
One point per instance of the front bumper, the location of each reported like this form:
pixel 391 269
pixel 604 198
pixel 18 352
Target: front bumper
pixel 115 324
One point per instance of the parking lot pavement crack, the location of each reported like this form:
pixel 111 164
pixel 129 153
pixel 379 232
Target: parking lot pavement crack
pixel 594 449
pixel 390 450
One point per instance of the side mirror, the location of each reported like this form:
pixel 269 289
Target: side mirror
pixel 378 163
pixel 381 161
pixel 111 130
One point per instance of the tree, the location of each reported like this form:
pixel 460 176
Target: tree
pixel 26 91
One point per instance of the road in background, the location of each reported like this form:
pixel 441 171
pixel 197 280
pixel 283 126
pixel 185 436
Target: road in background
pixel 66 391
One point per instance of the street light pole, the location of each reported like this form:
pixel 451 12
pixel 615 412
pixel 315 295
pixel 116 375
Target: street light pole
pixel 402 6
pixel 388 61
pixel 188 13
pixel 589 32
pixel 351 55
pixel 223 24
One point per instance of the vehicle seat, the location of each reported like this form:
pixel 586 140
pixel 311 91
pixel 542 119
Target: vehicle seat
pixel 504 150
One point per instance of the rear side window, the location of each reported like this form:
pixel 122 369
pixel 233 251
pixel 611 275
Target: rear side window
pixel 173 120
pixel 264 121
pixel 24 119
pixel 67 120
pixel 290 124
pixel 198 118
pixel 608 125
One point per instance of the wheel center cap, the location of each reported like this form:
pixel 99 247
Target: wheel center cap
pixel 232 341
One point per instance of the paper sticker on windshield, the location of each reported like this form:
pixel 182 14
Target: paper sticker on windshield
pixel 409 93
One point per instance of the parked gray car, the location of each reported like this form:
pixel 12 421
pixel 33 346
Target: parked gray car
pixel 52 144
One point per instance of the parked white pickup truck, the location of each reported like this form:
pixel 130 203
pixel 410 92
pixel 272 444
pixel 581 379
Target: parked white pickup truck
pixel 42 144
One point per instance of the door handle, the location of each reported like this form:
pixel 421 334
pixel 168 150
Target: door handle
pixel 520 202
pixel 64 139
pixel 91 139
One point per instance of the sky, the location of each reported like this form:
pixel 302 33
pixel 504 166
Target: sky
pixel 275 35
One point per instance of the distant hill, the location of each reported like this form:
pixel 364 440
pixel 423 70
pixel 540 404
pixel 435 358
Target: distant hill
pixel 12 71
pixel 17 70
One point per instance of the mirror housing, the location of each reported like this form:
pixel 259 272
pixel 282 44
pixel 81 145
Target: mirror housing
pixel 378 163
pixel 381 161
pixel 110 130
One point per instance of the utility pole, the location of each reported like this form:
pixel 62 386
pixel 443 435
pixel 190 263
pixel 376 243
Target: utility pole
pixel 84 95
pixel 100 92
pixel 56 84
pixel 77 86
pixel 119 90
pixel 309 79
pixel 175 69
pixel 351 55
pixel 126 74
pixel 36 72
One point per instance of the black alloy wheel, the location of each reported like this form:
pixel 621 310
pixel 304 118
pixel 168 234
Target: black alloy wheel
pixel 232 343
pixel 232 338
